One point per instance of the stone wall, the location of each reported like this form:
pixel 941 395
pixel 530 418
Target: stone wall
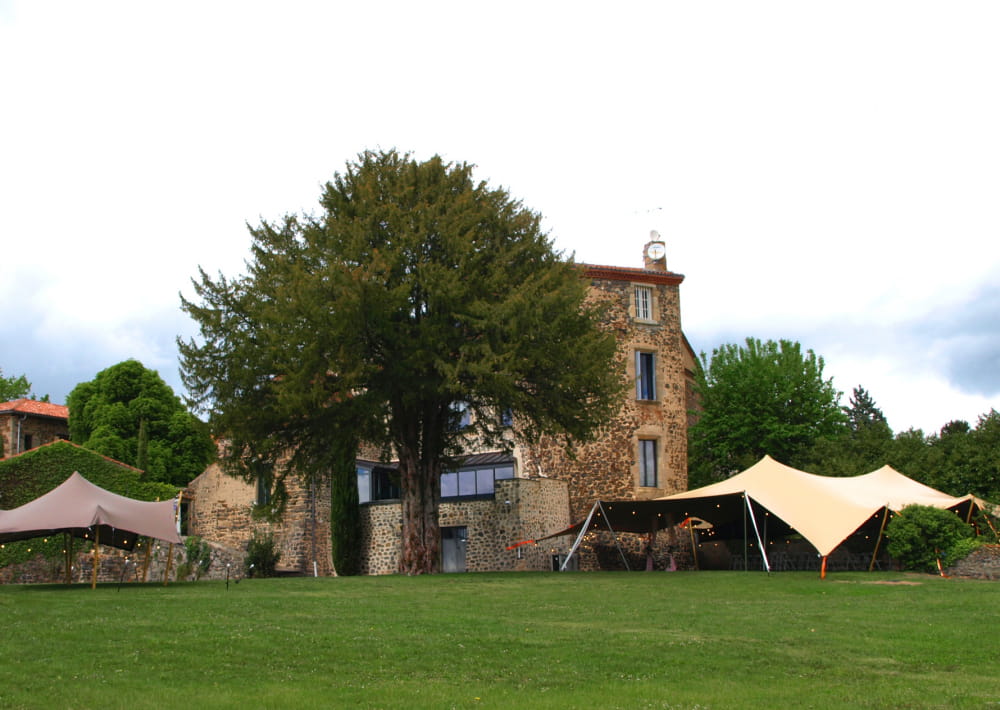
pixel 221 509
pixel 122 566
pixel 983 563
pixel 520 509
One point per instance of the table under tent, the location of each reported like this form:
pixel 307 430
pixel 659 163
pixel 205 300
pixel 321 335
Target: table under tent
pixel 78 509
pixel 768 506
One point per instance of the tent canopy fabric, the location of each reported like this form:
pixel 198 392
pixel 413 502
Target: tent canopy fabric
pixel 822 509
pixel 79 507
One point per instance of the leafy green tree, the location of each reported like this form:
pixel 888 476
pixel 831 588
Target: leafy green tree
pixel 908 454
pixel 962 459
pixel 985 459
pixel 919 535
pixel 16 388
pixel 760 398
pixel 863 412
pixel 13 387
pixel 862 446
pixel 130 414
pixel 415 292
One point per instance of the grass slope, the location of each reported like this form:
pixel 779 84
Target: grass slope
pixel 592 640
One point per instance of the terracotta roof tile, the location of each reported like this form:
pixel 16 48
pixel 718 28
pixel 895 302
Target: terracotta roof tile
pixel 32 406
pixel 624 273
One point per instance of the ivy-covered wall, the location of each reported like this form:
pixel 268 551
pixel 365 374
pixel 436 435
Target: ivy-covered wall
pixel 32 474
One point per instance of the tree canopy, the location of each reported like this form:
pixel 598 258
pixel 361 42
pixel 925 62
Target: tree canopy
pixel 415 294
pixel 756 399
pixel 16 388
pixel 130 414
pixel 863 445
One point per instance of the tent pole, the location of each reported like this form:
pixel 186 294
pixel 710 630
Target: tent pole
pixel 579 538
pixel 763 552
pixel 614 536
pixel 878 542
pixel 170 558
pixel 986 517
pixel 746 547
pixel 822 568
pixel 97 561
pixel 694 551
pixel 68 549
pixel 145 562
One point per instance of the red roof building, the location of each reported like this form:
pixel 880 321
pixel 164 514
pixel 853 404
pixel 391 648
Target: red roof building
pixel 27 423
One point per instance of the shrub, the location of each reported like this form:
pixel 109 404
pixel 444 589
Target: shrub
pixel 199 557
pixel 919 535
pixel 345 513
pixel 262 557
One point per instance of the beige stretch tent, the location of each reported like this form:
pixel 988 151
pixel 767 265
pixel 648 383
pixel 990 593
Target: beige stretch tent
pixel 79 508
pixel 824 510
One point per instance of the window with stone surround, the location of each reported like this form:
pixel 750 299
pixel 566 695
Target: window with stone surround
pixel 263 495
pixel 645 375
pixel 648 477
pixel 643 296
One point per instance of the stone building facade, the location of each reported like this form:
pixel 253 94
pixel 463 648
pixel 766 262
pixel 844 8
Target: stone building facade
pixel 476 534
pixel 642 453
pixel 28 423
pixel 497 499
pixel 228 511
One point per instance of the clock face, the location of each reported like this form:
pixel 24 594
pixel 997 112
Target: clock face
pixel 656 251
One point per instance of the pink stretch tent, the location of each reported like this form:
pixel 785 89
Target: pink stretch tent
pixel 84 510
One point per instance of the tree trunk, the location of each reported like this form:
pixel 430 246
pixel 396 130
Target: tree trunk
pixel 421 536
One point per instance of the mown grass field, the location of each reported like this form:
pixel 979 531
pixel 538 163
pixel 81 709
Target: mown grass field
pixel 572 640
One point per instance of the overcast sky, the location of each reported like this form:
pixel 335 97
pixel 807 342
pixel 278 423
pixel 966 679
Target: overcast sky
pixel 823 172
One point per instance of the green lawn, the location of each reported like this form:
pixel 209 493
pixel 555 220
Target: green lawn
pixel 572 640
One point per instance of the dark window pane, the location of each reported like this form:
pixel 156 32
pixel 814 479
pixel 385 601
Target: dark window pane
pixel 647 463
pixel 645 373
pixel 449 485
pixel 504 472
pixel 383 485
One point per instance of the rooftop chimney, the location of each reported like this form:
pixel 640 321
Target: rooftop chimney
pixel 654 254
